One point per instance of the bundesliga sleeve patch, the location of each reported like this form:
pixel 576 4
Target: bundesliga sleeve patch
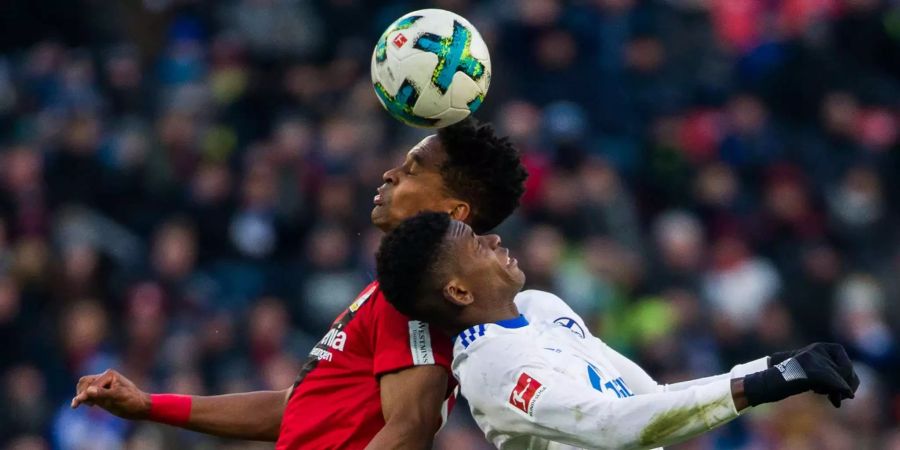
pixel 526 393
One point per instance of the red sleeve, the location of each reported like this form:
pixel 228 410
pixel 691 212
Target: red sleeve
pixel 401 342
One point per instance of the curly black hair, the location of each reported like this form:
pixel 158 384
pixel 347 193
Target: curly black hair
pixel 483 169
pixel 407 260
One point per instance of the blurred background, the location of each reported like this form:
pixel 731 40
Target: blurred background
pixel 185 188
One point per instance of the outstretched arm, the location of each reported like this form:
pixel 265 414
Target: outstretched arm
pixel 642 383
pixel 251 415
pixel 573 413
pixel 222 415
pixel 832 355
pixel 528 397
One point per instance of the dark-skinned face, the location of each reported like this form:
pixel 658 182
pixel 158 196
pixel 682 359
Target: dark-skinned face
pixel 413 187
pixel 480 265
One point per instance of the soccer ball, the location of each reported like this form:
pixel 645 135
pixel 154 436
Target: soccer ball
pixel 431 68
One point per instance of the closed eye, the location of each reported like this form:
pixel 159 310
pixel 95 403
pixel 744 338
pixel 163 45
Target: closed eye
pixel 413 162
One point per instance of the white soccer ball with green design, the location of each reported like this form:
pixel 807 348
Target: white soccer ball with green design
pixel 431 68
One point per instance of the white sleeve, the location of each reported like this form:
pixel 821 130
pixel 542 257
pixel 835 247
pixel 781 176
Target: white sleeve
pixel 522 395
pixel 642 383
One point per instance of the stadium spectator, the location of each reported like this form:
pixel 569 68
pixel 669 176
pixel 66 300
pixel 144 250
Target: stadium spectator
pixel 181 181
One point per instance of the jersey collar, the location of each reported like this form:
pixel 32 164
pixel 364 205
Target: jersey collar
pixel 515 322
pixel 470 334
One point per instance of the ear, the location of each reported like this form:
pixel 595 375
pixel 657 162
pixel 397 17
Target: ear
pixel 457 294
pixel 460 211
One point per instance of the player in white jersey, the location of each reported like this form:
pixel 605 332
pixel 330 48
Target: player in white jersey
pixel 536 378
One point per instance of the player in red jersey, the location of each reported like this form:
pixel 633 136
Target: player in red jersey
pixel 377 379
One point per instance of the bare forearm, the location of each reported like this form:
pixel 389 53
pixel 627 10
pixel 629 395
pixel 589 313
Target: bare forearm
pixel 411 403
pixel 738 394
pixel 251 416
pixel 403 438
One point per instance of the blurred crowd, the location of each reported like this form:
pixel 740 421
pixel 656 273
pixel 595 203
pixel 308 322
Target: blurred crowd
pixel 185 188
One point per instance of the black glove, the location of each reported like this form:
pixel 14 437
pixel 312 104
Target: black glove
pixel 837 354
pixel 821 368
pixel 779 357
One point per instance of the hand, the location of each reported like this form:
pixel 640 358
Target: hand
pixel 779 357
pixel 841 363
pixel 821 368
pixel 114 393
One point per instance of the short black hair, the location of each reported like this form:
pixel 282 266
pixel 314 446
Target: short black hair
pixel 484 170
pixel 407 260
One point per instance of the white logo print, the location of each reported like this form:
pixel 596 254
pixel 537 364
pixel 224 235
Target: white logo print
pixel 791 370
pixel 335 339
pixel 526 393
pixel 519 396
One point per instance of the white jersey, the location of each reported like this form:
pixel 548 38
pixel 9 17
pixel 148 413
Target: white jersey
pixel 542 381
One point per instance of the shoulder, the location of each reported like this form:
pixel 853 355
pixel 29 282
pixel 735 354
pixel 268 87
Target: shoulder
pixel 370 294
pixel 531 295
pixel 468 336
pixel 388 319
pixel 399 342
pixel 381 308
pixel 489 359
pixel 494 346
pixel 486 335
pixel 538 304
pixel 541 306
pixel 489 368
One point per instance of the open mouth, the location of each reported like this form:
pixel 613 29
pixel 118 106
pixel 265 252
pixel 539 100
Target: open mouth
pixel 510 261
pixel 378 200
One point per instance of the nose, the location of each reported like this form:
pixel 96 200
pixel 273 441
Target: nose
pixel 390 176
pixel 493 241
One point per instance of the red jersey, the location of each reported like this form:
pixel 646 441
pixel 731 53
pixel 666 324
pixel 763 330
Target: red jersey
pixel 336 400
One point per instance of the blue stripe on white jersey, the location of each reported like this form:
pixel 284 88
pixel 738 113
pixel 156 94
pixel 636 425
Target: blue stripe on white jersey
pixel 468 336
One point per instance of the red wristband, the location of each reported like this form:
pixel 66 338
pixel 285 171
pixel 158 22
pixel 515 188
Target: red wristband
pixel 171 409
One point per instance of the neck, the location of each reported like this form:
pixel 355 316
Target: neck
pixel 494 313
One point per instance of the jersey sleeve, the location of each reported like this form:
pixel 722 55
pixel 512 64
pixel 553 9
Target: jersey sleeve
pixel 400 342
pixel 522 395
pixel 642 383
